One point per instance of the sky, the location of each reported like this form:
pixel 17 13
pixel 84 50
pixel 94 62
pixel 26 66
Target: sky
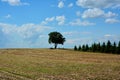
pixel 27 23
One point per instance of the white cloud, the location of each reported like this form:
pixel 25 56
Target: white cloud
pixel 108 35
pixel 15 2
pixel 60 19
pixel 98 3
pixel 96 12
pixel 8 16
pixel 70 5
pixel 110 14
pixel 61 4
pixel 26 30
pixel 112 20
pixel 71 33
pixel 50 19
pixel 44 23
pixel 22 36
pixel 78 22
pixel 91 13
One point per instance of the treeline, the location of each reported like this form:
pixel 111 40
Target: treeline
pixel 98 47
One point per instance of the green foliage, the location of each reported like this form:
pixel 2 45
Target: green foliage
pixel 108 47
pixel 114 48
pixel 103 48
pixel 94 47
pixel 79 48
pixel 75 48
pixel 118 48
pixel 98 47
pixel 83 47
pixel 56 38
pixel 86 47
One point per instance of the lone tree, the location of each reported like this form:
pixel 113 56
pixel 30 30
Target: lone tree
pixel 56 38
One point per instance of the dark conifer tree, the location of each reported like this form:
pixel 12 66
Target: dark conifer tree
pixel 118 48
pixel 108 47
pixel 83 47
pixel 90 48
pixel 79 48
pixel 94 47
pixel 103 47
pixel 86 47
pixel 75 47
pixel 114 48
pixel 98 47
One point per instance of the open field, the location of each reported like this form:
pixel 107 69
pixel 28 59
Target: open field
pixel 46 64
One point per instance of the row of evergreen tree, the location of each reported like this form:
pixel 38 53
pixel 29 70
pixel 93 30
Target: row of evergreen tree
pixel 103 48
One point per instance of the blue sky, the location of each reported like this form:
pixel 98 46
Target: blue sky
pixel 27 23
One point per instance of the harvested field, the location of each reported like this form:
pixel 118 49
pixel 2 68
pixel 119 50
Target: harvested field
pixel 47 64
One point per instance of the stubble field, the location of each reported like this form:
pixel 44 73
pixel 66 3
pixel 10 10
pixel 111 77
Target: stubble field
pixel 50 64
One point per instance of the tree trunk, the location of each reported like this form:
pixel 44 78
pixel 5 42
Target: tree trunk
pixel 55 46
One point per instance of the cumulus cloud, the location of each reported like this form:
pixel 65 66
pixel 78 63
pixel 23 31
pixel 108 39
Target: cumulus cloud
pixel 22 36
pixel 112 20
pixel 96 12
pixel 98 3
pixel 60 19
pixel 78 22
pixel 15 2
pixel 110 14
pixel 61 4
pixel 48 19
pixel 70 5
pixel 91 13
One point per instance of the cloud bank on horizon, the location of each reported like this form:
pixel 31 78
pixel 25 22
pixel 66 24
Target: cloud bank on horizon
pixel 26 23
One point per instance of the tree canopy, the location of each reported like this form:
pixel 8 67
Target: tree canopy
pixel 56 38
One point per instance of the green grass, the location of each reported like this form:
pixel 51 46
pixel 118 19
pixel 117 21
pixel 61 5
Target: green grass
pixel 46 64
